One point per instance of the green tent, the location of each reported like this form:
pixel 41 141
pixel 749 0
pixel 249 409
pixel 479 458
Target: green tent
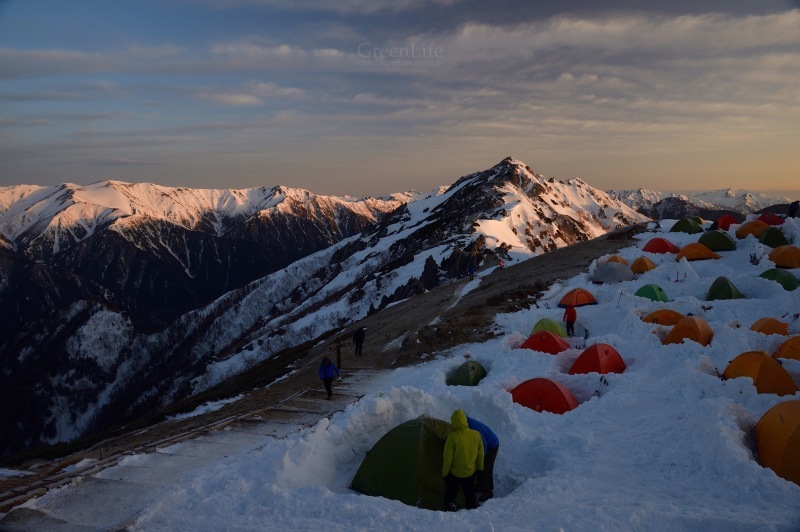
pixel 406 465
pixel 697 219
pixel 653 292
pixel 686 225
pixel 722 288
pixel 773 237
pixel 717 241
pixel 786 279
pixel 548 324
pixel 469 373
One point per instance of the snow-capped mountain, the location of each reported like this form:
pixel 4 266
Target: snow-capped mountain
pixel 661 205
pixel 106 369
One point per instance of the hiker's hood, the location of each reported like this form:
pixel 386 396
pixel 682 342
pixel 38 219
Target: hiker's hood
pixel 459 419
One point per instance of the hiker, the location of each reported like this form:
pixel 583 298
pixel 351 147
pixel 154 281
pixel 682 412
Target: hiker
pixel 327 370
pixel 358 339
pixel 471 270
pixel 793 209
pixel 463 457
pixel 570 317
pixel 491 444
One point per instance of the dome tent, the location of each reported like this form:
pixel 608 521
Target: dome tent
pixel 690 328
pixel 642 264
pixel 696 251
pixel 686 225
pixel 770 326
pixel 598 358
pixel 544 395
pixel 725 221
pixel 717 241
pixel 577 297
pixel 660 245
pixel 406 464
pixel 652 292
pixel 789 349
pixel 548 324
pixel 773 237
pixel 664 317
pixel 469 373
pixel 771 218
pixel 786 257
pixel 753 227
pixel 788 281
pixel 545 342
pixel 722 288
pixel 617 258
pixel 611 272
pixel 767 373
pixel 778 440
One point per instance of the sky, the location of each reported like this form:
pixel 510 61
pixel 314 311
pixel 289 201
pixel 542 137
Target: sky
pixel 665 445
pixel 372 97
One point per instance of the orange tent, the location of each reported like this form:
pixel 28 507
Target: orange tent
pixel 724 222
pixel 696 251
pixel 577 298
pixel 770 326
pixel 767 373
pixel 660 245
pixel 664 317
pixel 617 258
pixel 786 257
pixel 598 358
pixel 789 349
pixel 771 219
pixel 642 264
pixel 546 342
pixel 690 328
pixel 753 227
pixel 778 440
pixel 544 395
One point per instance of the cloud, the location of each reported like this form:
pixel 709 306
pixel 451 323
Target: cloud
pixel 234 99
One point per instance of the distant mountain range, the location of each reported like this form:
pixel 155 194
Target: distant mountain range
pixel 660 205
pixel 124 298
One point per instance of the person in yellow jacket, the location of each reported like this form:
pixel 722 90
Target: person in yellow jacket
pixel 463 457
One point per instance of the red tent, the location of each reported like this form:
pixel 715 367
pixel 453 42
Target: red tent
pixel 544 395
pixel 771 219
pixel 577 298
pixel 660 245
pixel 598 358
pixel 546 342
pixel 724 222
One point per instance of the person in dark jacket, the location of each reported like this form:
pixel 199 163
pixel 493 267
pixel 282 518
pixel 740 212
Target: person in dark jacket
pixel 462 458
pixel 491 444
pixel 358 339
pixel 327 370
pixel 793 206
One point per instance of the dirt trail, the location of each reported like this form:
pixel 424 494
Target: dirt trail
pixel 399 335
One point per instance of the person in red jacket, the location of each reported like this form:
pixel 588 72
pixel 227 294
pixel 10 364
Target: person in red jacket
pixel 570 317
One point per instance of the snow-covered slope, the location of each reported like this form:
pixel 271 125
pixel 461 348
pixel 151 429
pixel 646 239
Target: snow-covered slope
pixel 504 213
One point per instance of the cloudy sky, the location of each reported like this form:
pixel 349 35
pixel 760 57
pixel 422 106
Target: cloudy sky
pixel 368 97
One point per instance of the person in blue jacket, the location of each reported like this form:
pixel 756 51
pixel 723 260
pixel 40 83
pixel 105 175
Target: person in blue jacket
pixel 491 444
pixel 327 370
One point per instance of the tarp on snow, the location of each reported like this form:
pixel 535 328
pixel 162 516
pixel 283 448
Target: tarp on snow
pixel 767 373
pixel 544 395
pixel 469 373
pixel 611 272
pixel 717 241
pixel 778 440
pixel 652 292
pixel 723 288
pixel 598 358
pixel 406 464
pixel 690 328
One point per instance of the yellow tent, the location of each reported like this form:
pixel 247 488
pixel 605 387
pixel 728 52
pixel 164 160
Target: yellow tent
pixel 642 264
pixel 691 328
pixel 786 257
pixel 789 349
pixel 770 326
pixel 696 251
pixel 778 440
pixel 753 227
pixel 617 258
pixel 664 317
pixel 767 373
